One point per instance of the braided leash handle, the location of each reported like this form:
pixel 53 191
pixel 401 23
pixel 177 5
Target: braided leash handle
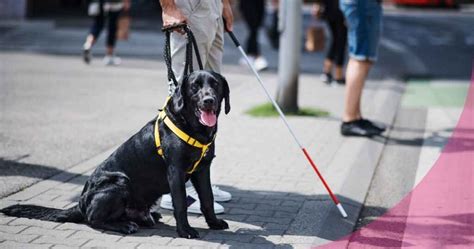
pixel 190 45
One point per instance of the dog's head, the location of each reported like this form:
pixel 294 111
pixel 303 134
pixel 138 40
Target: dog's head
pixel 200 96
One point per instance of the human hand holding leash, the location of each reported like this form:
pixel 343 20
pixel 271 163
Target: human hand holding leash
pixel 172 16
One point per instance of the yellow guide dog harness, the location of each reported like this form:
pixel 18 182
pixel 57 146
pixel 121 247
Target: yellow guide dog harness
pixel 182 135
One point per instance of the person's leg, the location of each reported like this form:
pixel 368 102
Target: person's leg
pixel 339 72
pixel 366 31
pixel 252 43
pixel 113 17
pixel 258 15
pixel 272 31
pixel 327 66
pixel 327 77
pixel 363 37
pixel 253 13
pixel 203 28
pixel 110 58
pixel 353 122
pixel 90 41
pixel 260 62
pixel 214 63
pixel 96 28
pixel 216 50
pixel 331 54
pixel 178 57
pixel 356 75
pixel 247 8
pixel 339 57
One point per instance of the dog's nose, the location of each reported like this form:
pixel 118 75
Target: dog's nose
pixel 208 100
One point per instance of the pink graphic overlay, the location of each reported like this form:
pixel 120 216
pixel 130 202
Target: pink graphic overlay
pixel 439 212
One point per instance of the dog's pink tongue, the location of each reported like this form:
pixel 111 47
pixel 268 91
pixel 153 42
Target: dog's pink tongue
pixel 208 119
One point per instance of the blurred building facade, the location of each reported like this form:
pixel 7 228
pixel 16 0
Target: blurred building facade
pixel 22 9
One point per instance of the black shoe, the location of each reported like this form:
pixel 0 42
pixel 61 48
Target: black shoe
pixel 359 128
pixel 86 55
pixel 326 78
pixel 379 126
pixel 341 81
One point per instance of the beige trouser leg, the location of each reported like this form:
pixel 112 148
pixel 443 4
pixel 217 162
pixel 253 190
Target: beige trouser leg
pixel 205 21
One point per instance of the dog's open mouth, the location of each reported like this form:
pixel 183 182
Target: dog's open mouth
pixel 208 118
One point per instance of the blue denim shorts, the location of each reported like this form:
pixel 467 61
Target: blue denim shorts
pixel 364 21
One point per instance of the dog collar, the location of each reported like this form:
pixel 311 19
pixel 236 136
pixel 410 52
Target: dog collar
pixel 182 135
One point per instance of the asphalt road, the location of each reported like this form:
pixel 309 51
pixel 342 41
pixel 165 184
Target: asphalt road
pixel 431 44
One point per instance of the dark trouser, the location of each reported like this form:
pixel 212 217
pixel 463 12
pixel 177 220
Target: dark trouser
pixel 253 12
pixel 337 50
pixel 98 25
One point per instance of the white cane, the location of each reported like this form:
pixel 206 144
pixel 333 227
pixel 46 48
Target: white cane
pixel 282 115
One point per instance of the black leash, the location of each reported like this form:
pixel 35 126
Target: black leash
pixel 190 45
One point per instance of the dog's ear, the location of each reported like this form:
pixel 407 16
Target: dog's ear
pixel 226 96
pixel 178 101
pixel 178 96
pixel 225 87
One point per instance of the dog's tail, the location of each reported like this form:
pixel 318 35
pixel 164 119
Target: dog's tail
pixel 72 214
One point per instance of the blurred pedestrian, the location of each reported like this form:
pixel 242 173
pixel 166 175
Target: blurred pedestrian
pixel 104 11
pixel 329 11
pixel 253 12
pixel 273 33
pixel 364 20
pixel 205 20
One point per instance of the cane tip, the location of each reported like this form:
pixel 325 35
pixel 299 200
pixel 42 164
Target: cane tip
pixel 341 210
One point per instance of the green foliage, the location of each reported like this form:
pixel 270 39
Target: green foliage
pixel 267 110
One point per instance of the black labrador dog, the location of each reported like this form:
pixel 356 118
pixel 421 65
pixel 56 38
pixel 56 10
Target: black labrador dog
pixel 119 194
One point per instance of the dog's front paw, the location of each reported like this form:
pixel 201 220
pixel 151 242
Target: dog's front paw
pixel 148 221
pixel 129 228
pixel 187 232
pixel 218 224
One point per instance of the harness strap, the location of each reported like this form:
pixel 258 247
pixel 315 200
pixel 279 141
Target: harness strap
pixel 157 133
pixel 183 136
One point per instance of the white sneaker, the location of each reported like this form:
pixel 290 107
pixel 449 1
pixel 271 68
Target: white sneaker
pixel 194 206
pixel 220 195
pixel 260 63
pixel 112 60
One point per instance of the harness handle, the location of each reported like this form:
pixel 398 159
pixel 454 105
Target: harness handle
pixel 190 45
